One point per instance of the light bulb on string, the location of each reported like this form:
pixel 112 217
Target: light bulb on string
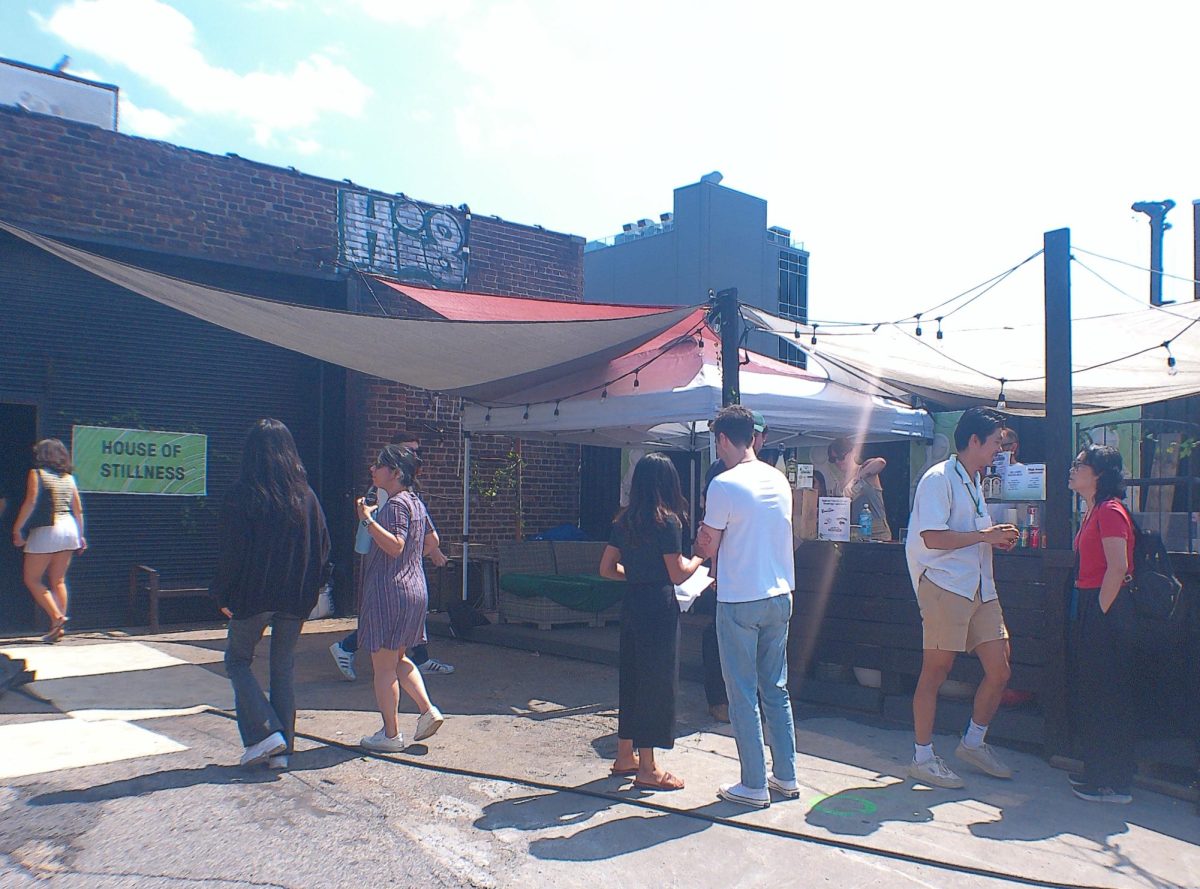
pixel 875 329
pixel 797 333
pixel 488 417
pixel 939 332
pixel 636 382
pixel 604 393
pixel 556 408
pixel 1172 369
pixel 526 415
pixel 1002 399
pixel 814 334
pixel 918 316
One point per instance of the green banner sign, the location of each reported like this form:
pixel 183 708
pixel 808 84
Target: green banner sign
pixel 137 461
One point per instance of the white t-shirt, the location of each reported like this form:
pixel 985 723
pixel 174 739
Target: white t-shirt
pixel 752 504
pixel 949 499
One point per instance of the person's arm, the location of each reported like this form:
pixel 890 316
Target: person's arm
pixel 77 511
pixel 231 553
pixel 679 568
pixel 871 467
pixel 708 541
pixel 1116 567
pixel 390 542
pixel 1000 536
pixel 432 548
pixel 610 564
pixel 31 492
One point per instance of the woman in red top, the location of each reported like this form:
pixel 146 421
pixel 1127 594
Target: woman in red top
pixel 1104 545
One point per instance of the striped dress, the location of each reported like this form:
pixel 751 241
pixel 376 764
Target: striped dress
pixel 395 598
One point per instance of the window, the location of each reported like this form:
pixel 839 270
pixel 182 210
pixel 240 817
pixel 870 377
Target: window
pixel 793 300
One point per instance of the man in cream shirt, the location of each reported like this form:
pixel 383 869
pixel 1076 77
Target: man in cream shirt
pixel 949 550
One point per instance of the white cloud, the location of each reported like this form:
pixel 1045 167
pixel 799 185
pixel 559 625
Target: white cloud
pixel 148 122
pixel 305 146
pixel 414 13
pixel 158 43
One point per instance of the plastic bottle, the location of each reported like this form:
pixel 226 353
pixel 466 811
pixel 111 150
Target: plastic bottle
pixel 865 522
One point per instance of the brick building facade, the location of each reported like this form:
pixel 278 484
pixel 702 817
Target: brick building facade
pixel 273 232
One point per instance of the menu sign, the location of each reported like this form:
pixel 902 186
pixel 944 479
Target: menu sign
pixel 833 518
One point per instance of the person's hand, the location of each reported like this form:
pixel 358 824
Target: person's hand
pixel 225 611
pixel 82 543
pixel 1003 536
pixel 18 539
pixel 364 511
pixel 438 558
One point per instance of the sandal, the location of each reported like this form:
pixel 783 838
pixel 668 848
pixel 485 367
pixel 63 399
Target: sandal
pixel 666 782
pixel 622 773
pixel 57 631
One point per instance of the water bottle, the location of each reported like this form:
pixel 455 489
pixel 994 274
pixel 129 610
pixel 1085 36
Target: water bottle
pixel 865 522
pixel 362 537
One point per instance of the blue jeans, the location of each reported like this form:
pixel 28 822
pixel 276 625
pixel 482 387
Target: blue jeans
pixel 256 717
pixel 753 638
pixel 418 654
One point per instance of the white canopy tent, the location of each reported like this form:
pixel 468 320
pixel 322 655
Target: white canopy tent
pixel 1119 359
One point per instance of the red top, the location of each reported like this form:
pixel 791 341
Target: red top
pixel 1108 519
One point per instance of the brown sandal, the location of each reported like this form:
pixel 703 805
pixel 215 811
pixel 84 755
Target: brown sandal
pixel 666 782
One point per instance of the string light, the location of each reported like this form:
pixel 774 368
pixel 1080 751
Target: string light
pixel 1002 400
pixel 526 415
pixel 918 317
pixel 488 418
pixel 814 334
pixel 636 382
pixel 556 408
pixel 797 333
pixel 1172 370
pixel 939 333
pixel 604 394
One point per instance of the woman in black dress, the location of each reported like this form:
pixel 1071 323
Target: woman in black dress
pixel 646 550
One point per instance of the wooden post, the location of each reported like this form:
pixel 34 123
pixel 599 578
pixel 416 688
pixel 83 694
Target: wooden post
pixel 1060 443
pixel 731 332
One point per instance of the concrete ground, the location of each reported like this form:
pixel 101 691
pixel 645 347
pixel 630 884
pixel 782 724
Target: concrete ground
pixel 126 776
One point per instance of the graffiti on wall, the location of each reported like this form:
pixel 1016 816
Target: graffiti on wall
pixel 401 238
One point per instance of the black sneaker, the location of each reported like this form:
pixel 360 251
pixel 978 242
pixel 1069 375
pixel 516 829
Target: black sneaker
pixel 1094 794
pixel 1076 779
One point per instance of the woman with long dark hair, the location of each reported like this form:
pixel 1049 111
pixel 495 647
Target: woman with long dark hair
pixel 50 546
pixel 395 598
pixel 274 546
pixel 646 551
pixel 1104 656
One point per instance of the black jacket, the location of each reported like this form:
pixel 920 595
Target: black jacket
pixel 268 565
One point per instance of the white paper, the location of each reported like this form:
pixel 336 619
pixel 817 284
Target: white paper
pixel 687 592
pixel 833 518
pixel 804 475
pixel 1025 481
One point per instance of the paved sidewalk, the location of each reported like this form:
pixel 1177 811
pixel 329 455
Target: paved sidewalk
pixel 138 786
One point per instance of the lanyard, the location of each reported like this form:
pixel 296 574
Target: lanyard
pixel 966 484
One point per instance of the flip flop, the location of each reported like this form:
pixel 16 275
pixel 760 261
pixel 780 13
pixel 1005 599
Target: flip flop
pixel 623 773
pixel 667 782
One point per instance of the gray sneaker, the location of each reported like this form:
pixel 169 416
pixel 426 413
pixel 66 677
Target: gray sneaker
pixel 934 772
pixel 428 723
pixel 984 759
pixel 381 743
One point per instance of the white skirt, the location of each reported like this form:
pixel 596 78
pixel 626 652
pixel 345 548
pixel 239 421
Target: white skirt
pixel 63 535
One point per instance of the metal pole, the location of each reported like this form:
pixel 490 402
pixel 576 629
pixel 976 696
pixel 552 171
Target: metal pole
pixel 1157 211
pixel 731 330
pixel 1196 249
pixel 1060 446
pixel 466 534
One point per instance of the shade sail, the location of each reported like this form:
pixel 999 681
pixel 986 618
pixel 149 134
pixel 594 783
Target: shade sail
pixel 1118 359
pixel 462 306
pixel 677 390
pixel 467 358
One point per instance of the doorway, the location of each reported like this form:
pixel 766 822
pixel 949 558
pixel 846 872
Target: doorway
pixel 18 433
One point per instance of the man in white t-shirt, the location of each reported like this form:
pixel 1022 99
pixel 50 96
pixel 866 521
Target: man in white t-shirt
pixel 949 550
pixel 748 522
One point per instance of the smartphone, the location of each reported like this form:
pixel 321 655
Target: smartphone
pixel 369 498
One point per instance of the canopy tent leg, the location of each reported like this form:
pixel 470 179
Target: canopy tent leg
pixel 466 524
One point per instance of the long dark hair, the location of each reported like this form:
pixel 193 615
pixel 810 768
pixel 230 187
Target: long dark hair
pixel 1106 462
pixel 273 482
pixel 52 454
pixel 654 495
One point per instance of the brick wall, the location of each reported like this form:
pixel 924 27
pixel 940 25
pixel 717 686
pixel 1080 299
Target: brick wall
pixel 63 177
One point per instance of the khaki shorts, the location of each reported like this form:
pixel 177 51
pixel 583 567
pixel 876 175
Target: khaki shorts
pixel 954 623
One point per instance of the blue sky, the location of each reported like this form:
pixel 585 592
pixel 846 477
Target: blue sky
pixel 917 149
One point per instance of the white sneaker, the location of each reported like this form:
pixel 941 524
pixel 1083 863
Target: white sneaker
pixel 934 772
pixel 428 723
pixel 381 743
pixel 983 758
pixel 787 789
pixel 433 667
pixel 267 747
pixel 277 763
pixel 344 660
pixel 746 796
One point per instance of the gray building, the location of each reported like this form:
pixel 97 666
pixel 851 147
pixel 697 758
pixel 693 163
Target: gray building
pixel 714 238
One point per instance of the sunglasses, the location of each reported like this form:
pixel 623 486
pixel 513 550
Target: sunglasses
pixel 1075 464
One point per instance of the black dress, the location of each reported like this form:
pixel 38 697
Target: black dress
pixel 649 659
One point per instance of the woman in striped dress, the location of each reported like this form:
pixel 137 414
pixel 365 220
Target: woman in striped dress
pixel 395 598
pixel 49 548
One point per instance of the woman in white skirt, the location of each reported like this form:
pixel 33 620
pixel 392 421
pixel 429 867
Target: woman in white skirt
pixel 49 547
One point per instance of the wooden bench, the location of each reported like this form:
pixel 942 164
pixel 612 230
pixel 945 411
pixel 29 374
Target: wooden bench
pixel 145 576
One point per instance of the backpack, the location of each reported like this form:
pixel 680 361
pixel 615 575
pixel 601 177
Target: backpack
pixel 1151 581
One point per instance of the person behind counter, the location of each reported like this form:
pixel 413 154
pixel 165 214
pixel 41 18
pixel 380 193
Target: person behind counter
pixel 860 482
pixel 1010 442
pixel 1104 664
